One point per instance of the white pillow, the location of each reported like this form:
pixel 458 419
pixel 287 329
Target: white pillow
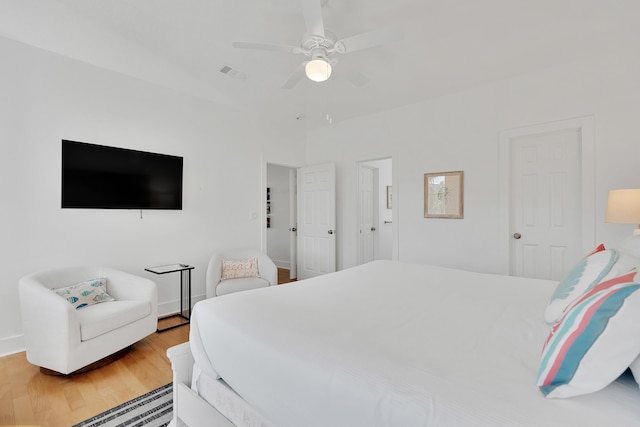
pixel 631 246
pixel 239 268
pixel 594 341
pixel 87 293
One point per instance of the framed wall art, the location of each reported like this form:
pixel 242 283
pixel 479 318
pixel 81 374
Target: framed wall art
pixel 444 195
pixel 268 207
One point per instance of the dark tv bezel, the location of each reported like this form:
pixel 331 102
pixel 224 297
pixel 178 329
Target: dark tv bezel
pixel 179 159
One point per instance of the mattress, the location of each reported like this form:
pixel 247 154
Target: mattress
pixel 395 344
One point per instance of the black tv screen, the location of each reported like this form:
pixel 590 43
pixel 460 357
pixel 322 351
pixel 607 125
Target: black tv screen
pixel 101 177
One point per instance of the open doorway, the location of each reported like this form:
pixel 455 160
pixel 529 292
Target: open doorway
pixel 281 219
pixel 375 213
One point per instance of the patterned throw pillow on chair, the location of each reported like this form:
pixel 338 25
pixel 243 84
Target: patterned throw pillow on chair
pixel 87 293
pixel 239 268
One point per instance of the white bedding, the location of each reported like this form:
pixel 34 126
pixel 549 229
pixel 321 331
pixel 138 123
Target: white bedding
pixel 217 393
pixel 395 344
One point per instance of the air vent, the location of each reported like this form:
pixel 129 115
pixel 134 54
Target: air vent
pixel 232 72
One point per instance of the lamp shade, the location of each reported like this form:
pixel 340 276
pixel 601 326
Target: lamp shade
pixel 318 70
pixel 624 206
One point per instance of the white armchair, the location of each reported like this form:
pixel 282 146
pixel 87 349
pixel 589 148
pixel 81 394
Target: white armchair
pixel 215 286
pixel 62 339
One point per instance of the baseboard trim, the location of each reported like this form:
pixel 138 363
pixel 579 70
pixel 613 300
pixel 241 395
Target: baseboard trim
pixel 282 264
pixel 11 345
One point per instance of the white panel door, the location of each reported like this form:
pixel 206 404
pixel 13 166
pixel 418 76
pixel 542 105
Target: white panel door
pixel 292 225
pixel 316 220
pixel 545 204
pixel 366 228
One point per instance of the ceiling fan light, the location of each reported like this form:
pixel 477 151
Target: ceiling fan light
pixel 318 70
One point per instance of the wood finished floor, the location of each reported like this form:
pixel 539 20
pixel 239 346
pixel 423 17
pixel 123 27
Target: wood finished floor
pixel 29 398
pixel 283 276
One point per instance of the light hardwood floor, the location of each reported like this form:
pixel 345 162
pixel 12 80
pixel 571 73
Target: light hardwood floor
pixel 28 397
pixel 283 276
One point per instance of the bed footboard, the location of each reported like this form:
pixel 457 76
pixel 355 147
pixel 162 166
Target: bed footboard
pixel 189 409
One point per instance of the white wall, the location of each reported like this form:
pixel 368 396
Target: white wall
pixel 278 234
pixel 47 97
pixel 460 132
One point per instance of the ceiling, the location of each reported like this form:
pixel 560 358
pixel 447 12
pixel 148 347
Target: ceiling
pixel 448 46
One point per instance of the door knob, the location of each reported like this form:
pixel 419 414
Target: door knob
pixel 330 231
pixel 293 229
pixel 517 236
pixel 373 229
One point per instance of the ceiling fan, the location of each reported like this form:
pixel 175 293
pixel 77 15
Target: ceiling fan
pixel 323 47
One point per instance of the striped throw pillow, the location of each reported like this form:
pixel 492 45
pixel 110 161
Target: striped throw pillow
pixel 596 267
pixel 594 341
pixel 599 248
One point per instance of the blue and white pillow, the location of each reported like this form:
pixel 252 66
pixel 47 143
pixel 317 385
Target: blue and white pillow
pixel 594 341
pixel 597 267
pixel 87 293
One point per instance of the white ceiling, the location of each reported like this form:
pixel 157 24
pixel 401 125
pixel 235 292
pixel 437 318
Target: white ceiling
pixel 449 45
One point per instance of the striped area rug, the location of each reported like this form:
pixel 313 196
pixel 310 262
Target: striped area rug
pixel 153 409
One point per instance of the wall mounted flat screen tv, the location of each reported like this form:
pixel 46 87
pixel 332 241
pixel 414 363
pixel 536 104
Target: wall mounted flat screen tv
pixel 101 177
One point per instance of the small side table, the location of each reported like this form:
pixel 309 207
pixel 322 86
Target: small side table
pixel 185 291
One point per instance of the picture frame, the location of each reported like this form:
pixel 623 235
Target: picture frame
pixel 389 197
pixel 444 195
pixel 268 207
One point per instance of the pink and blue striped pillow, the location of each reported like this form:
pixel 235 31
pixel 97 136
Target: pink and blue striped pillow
pixel 598 266
pixel 594 341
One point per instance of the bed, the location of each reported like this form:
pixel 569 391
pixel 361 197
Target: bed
pixel 382 344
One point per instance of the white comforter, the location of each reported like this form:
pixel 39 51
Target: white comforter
pixel 395 344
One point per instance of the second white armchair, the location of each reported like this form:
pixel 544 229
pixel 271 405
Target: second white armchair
pixel 267 272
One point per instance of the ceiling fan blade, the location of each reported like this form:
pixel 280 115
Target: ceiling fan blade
pixel 370 39
pixel 295 77
pixel 266 46
pixel 312 11
pixel 357 78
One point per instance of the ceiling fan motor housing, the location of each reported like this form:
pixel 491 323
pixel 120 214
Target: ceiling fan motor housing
pixel 319 53
pixel 311 43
